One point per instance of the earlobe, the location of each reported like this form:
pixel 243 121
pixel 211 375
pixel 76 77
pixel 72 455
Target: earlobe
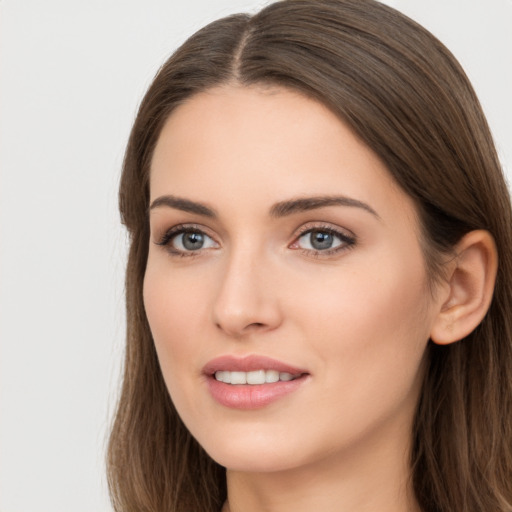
pixel 470 282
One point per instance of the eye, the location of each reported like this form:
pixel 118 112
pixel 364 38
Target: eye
pixel 319 240
pixel 192 241
pixel 323 240
pixel 182 240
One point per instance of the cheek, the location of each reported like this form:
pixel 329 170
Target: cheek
pixel 175 308
pixel 364 305
pixel 370 330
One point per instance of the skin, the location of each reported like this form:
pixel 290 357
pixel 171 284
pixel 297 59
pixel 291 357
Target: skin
pixel 358 320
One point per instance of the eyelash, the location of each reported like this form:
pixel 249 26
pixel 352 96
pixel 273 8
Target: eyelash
pixel 181 229
pixel 347 241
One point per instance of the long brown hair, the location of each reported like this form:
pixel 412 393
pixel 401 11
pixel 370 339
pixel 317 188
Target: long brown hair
pixel 407 98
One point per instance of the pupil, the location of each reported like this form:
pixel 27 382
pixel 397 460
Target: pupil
pixel 193 241
pixel 321 240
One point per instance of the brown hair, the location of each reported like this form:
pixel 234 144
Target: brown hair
pixel 406 97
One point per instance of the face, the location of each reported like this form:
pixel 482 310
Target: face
pixel 285 285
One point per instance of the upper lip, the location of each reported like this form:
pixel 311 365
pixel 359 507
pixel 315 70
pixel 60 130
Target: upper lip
pixel 248 364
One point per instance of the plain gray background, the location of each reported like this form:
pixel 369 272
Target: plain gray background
pixel 72 73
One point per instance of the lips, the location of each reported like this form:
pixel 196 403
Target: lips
pixel 251 382
pixel 249 364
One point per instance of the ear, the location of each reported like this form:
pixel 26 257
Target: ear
pixel 470 286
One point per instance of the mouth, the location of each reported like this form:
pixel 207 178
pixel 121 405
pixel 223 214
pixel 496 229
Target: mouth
pixel 252 370
pixel 251 382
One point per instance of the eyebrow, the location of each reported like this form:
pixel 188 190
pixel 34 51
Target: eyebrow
pixel 281 209
pixel 179 203
pixel 292 206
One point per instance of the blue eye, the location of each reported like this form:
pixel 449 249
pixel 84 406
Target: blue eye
pixel 192 241
pixel 318 240
pixel 183 240
pixel 323 240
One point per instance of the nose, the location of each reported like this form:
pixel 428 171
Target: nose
pixel 247 300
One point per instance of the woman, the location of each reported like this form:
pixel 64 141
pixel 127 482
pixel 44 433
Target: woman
pixel 319 276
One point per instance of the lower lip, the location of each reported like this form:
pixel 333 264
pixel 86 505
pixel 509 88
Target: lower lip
pixel 249 396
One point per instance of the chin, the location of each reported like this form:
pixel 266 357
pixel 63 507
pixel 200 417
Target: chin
pixel 253 463
pixel 252 455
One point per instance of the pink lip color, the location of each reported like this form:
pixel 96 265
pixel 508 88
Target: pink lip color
pixel 247 396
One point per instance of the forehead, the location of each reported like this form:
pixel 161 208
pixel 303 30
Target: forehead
pixel 261 145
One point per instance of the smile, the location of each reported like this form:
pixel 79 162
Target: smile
pixel 253 381
pixel 254 377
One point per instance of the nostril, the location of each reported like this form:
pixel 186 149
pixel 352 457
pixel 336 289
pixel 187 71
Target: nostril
pixel 254 326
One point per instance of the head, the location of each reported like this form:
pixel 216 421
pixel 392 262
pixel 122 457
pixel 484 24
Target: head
pixel 403 99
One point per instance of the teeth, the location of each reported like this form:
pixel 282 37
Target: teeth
pixel 238 378
pixel 222 376
pixel 257 377
pixel 254 377
pixel 271 376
